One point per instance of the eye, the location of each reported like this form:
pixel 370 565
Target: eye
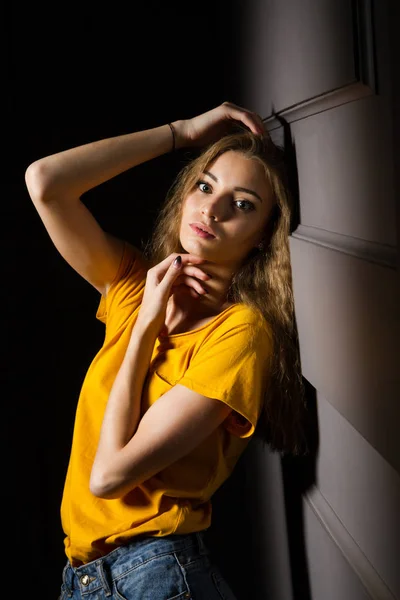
pixel 242 205
pixel 245 205
pixel 202 185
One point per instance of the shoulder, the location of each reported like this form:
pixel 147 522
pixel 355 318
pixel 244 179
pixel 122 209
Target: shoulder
pixel 245 323
pixel 133 265
pixel 244 314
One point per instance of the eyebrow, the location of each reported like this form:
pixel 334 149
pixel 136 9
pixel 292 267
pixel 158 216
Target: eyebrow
pixel 237 188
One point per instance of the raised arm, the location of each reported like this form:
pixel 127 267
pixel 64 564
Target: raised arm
pixel 57 182
pixel 69 174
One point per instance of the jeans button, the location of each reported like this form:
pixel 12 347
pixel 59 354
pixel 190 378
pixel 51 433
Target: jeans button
pixel 85 580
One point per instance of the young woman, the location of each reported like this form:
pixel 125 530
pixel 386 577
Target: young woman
pixel 200 351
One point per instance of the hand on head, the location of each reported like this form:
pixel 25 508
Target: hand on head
pixel 209 126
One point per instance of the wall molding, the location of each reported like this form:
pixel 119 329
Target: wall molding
pixel 313 106
pixel 380 254
pixel 364 83
pixel 359 563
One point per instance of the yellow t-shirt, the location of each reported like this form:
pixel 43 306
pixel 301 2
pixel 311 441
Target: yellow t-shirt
pixel 227 359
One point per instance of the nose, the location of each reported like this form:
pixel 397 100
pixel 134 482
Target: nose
pixel 215 208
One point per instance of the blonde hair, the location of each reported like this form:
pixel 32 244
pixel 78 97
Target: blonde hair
pixel 263 281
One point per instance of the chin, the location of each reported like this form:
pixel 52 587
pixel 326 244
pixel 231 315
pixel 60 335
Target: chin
pixel 197 248
pixel 190 246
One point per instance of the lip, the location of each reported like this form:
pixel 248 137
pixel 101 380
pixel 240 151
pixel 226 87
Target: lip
pixel 200 229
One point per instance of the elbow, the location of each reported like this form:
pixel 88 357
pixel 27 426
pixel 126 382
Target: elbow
pixel 103 492
pixel 96 485
pixel 101 486
pixel 106 484
pixel 35 180
pixel 40 181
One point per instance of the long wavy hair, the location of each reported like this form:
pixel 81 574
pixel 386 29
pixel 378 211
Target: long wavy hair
pixel 263 281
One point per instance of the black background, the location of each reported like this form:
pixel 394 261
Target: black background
pixel 74 75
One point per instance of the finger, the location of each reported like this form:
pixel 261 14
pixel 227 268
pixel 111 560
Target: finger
pixel 164 265
pixel 172 282
pixel 249 118
pixel 184 289
pixel 193 283
pixel 260 123
pixel 196 272
pixel 158 271
pixel 172 273
pixel 186 258
pixel 254 122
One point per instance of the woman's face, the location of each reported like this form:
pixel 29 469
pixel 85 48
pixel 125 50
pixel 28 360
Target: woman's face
pixel 232 199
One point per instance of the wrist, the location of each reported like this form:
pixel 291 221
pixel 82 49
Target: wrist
pixel 144 330
pixel 179 134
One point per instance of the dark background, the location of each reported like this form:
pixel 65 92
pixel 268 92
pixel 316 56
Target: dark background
pixel 74 76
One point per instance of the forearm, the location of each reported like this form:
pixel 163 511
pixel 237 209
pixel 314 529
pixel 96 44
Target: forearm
pixel 71 173
pixel 122 414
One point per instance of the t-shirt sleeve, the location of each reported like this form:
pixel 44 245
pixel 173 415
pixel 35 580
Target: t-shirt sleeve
pixel 233 365
pixel 125 292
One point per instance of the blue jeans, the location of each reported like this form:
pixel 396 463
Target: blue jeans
pixel 174 567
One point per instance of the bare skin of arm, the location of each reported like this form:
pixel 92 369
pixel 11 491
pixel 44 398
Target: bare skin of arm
pixel 69 174
pixel 57 182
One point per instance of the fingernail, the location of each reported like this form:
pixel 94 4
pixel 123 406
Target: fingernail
pixel 177 262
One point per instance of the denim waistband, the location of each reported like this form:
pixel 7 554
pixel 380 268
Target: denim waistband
pixel 99 572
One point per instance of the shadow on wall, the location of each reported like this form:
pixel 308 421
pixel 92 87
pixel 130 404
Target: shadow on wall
pixel 298 475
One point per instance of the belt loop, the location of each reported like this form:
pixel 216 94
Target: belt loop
pixel 103 579
pixel 64 578
pixel 200 540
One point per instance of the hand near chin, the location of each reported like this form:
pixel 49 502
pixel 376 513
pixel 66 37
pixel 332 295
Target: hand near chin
pixel 177 271
pixel 211 125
